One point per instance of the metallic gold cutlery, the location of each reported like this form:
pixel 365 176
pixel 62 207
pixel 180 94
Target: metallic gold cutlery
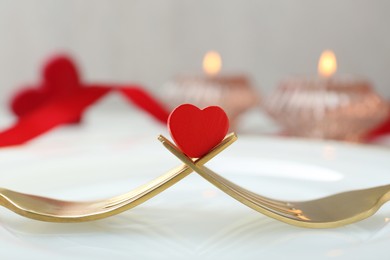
pixel 52 210
pixel 328 212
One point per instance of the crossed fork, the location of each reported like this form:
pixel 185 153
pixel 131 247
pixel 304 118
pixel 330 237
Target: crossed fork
pixel 332 211
pixel 53 210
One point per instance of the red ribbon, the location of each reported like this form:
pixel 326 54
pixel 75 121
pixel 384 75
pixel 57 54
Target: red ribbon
pixel 382 129
pixel 62 99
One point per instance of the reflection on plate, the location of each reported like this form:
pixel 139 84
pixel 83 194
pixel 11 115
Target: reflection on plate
pixel 193 219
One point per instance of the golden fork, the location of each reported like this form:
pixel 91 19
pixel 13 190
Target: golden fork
pixel 328 212
pixel 52 210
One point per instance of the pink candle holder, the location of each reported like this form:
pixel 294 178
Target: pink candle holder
pixel 341 109
pixel 233 93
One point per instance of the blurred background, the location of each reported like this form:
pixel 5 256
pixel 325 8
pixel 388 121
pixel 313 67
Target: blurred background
pixel 152 42
pixel 149 42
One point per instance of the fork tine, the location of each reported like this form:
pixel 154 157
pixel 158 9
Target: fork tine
pixel 327 212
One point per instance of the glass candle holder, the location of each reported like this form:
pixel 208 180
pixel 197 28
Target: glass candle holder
pixel 341 109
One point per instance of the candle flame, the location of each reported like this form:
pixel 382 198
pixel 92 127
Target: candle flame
pixel 212 63
pixel 327 64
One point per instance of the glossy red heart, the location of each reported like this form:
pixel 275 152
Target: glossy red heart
pixel 197 131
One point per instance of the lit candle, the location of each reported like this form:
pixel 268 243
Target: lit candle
pixel 212 63
pixel 327 65
pixel 342 108
pixel 233 93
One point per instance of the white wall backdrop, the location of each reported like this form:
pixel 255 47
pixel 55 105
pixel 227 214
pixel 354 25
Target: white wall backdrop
pixel 149 41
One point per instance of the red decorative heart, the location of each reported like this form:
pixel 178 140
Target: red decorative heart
pixel 197 131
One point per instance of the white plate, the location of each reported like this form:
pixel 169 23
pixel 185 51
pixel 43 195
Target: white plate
pixel 192 219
